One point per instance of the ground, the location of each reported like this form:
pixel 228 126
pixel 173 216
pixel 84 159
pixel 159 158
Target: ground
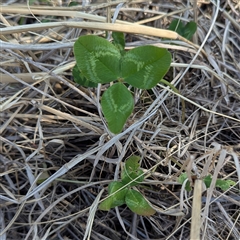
pixel 57 154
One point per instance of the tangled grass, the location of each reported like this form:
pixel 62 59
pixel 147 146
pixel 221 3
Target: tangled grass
pixel 56 154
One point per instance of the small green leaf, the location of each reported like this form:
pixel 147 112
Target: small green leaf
pixel 129 176
pixel 119 41
pixel 72 4
pixel 31 2
pixel 131 171
pixel 143 67
pixel 188 186
pixel 80 79
pixel 138 204
pixel 224 184
pixel 97 59
pixel 182 177
pixel 115 200
pixel 177 26
pixel 207 180
pixel 181 180
pixel 117 105
pixel 189 30
pixel 41 2
pixel 132 163
pixel 186 31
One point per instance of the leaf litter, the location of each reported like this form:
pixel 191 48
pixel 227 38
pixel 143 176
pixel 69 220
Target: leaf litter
pixel 48 121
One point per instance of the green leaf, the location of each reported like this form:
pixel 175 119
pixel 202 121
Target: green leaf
pixel 143 67
pixel 182 177
pixel 224 184
pixel 181 180
pixel 72 4
pixel 80 79
pixel 189 30
pixel 138 204
pixel 97 59
pixel 132 163
pixel 186 31
pixel 115 200
pixel 177 26
pixel 119 41
pixel 31 2
pixel 41 2
pixel 117 105
pixel 188 186
pixel 129 176
pixel 131 171
pixel 207 180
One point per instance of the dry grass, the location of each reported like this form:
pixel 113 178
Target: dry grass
pixel 57 156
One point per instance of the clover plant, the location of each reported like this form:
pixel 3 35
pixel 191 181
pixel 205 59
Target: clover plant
pixel 131 176
pixel 99 61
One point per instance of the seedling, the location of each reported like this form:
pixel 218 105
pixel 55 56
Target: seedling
pixel 223 184
pixel 99 61
pixel 131 176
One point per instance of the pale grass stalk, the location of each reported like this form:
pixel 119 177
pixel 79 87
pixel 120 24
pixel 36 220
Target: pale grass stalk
pixel 92 212
pixel 196 210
